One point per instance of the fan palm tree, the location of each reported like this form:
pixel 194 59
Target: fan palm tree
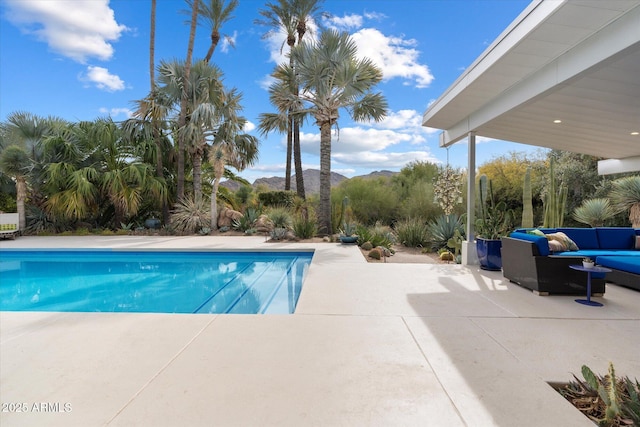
pixel 15 163
pixel 332 78
pixel 230 147
pixel 625 195
pixel 216 13
pixel 279 17
pixel 304 11
pixel 594 212
pixel 182 118
pixel 204 109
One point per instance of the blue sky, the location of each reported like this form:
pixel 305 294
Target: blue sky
pixel 80 60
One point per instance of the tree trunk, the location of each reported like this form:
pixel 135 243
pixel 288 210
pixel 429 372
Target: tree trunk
pixel 21 195
pixel 215 38
pixel 182 120
pixel 214 204
pixel 287 174
pixel 152 46
pixel 197 175
pixel 324 214
pixel 297 156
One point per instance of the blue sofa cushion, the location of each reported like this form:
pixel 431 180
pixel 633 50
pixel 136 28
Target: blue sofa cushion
pixel 539 241
pixel 585 238
pixel 625 263
pixel 616 237
pixel 593 253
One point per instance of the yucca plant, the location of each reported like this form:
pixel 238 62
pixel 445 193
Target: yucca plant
pixel 594 212
pixel 626 196
pixel 280 218
pixel 305 228
pixel 412 232
pixel 190 216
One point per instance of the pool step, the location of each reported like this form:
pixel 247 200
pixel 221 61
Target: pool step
pixel 248 291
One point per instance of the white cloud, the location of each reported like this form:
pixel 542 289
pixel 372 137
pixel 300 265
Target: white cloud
pixel 396 56
pixel 384 160
pixel 103 79
pixel 248 126
pixel 344 23
pixel 116 112
pixel 75 29
pixel 228 41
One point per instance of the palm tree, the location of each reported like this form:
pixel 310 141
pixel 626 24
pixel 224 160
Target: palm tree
pixel 625 195
pixel 280 17
pixel 15 162
pixel 304 10
pixel 182 118
pixel 594 212
pixel 203 109
pixel 230 147
pixel 332 78
pixel 216 13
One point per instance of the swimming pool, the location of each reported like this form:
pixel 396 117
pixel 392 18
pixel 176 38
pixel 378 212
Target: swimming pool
pixel 152 281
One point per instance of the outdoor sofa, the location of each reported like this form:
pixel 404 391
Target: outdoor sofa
pixel 528 261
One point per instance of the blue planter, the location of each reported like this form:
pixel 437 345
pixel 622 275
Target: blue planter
pixel 152 223
pixel 489 254
pixel 348 239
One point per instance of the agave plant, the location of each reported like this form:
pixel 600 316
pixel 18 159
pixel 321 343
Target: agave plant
pixel 594 212
pixel 443 229
pixel 626 196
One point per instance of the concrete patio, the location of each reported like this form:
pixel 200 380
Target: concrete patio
pixel 369 345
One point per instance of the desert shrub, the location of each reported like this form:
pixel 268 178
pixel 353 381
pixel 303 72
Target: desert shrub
pixel 244 194
pixel 378 235
pixel 370 200
pixel 280 217
pixel 444 228
pixel 305 227
pixel 190 216
pixel 420 202
pixel 412 232
pixel 277 198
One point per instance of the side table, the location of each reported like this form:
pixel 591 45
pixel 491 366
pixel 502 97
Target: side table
pixel 596 269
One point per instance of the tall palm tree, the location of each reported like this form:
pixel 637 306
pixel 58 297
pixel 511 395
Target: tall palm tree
pixel 182 118
pixel 304 11
pixel 280 17
pixel 332 78
pixel 15 163
pixel 203 109
pixel 216 13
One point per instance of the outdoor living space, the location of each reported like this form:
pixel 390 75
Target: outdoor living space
pixel 369 344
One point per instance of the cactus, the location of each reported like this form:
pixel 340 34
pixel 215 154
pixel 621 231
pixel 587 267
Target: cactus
pixel 494 219
pixel 527 203
pixel 555 201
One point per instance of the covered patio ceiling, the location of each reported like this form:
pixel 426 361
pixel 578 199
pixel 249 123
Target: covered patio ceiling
pixel 564 75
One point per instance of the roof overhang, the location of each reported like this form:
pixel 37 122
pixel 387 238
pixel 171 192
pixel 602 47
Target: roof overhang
pixel 573 61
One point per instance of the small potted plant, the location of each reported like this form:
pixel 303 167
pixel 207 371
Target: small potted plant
pixel 588 263
pixel 347 233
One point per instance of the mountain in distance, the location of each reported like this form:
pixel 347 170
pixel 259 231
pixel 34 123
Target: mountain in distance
pixel 311 181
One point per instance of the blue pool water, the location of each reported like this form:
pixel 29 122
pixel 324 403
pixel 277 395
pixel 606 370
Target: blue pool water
pixel 151 282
